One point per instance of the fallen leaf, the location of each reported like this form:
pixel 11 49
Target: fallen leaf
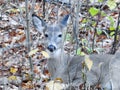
pixel 88 62
pixel 12 77
pixel 33 52
pixel 13 70
pixel 111 4
pixel 54 86
pixel 28 85
pixel 93 11
pixel 58 80
pixel 45 54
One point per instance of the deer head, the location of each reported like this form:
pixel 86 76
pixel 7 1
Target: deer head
pixel 53 32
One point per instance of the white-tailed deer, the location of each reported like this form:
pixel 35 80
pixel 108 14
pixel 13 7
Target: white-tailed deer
pixel 105 69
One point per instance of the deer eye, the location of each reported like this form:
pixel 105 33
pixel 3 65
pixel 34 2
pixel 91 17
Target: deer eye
pixel 60 35
pixel 46 35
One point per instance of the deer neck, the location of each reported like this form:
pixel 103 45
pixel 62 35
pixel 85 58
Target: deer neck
pixel 58 63
pixel 58 55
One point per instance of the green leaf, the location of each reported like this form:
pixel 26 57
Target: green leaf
pixel 68 37
pixel 89 50
pixel 84 41
pixel 100 0
pixel 112 28
pixel 111 20
pixel 93 11
pixel 103 13
pixel 78 51
pixel 111 4
pixel 93 23
pixel 92 1
pixel 84 20
pixel 112 33
pixel 99 31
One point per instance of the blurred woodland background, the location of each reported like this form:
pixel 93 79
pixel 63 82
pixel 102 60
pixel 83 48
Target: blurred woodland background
pixel 93 27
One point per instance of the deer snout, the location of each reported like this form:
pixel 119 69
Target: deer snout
pixel 51 48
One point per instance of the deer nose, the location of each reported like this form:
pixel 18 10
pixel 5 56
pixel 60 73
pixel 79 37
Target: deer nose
pixel 51 48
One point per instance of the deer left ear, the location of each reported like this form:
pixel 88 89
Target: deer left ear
pixel 64 20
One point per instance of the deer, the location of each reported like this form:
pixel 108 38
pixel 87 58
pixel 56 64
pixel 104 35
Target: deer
pixel 105 70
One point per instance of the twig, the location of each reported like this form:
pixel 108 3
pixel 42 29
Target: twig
pixel 28 37
pixel 2 50
pixel 93 43
pixel 33 5
pixel 114 46
pixel 43 8
pixel 99 15
pixel 76 24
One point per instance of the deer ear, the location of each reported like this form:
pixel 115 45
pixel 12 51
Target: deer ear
pixel 64 20
pixel 38 23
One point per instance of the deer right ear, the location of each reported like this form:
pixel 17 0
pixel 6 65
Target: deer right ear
pixel 38 23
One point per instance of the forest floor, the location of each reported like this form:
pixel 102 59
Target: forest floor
pixel 15 70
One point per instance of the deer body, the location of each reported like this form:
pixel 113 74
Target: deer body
pixel 105 70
